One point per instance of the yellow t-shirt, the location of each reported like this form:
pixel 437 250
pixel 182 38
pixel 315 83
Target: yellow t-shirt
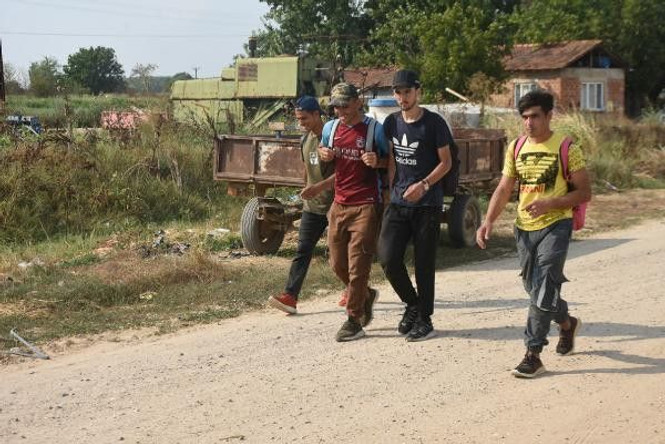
pixel 540 175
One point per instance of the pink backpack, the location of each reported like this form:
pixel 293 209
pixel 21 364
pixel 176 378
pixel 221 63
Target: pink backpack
pixel 579 211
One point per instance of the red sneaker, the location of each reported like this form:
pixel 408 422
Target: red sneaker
pixel 284 302
pixel 343 299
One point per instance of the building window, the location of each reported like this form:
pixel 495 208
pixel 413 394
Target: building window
pixel 593 96
pixel 522 88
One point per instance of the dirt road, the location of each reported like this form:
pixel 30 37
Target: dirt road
pixel 265 377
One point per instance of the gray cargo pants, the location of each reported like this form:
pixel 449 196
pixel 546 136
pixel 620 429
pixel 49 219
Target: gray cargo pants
pixel 542 255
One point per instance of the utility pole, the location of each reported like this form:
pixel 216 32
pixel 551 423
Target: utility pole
pixel 2 83
pixel 196 72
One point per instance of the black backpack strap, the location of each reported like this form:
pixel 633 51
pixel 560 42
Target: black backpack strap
pixel 302 146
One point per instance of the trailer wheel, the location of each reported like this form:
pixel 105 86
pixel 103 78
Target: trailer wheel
pixel 464 220
pixel 259 236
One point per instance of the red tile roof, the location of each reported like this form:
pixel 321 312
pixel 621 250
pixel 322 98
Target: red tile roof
pixel 527 57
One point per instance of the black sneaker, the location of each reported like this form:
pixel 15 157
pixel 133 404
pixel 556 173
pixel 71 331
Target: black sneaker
pixel 367 317
pixel 408 319
pixel 421 331
pixel 530 367
pixel 566 344
pixel 351 330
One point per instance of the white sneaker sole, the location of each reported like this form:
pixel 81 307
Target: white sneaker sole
pixel 279 306
pixel 422 338
pixel 358 335
pixel 519 374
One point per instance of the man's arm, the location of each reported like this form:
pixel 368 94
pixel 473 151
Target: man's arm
pixel 580 193
pixel 445 163
pixel 311 191
pixel 498 202
pixel 417 190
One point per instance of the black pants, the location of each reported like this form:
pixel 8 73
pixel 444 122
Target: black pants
pixel 420 225
pixel 312 227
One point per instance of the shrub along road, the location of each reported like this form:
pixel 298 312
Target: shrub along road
pixel 266 377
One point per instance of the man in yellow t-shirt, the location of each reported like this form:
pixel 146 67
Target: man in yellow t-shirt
pixel 543 225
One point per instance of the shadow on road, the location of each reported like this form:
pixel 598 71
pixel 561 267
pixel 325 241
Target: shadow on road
pixel 644 365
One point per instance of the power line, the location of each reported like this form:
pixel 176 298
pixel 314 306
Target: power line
pixel 130 36
pixel 169 13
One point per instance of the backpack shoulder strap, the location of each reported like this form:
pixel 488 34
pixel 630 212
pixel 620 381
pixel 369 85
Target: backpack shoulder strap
pixel 563 154
pixel 302 146
pixel 519 143
pixel 369 138
pixel 335 124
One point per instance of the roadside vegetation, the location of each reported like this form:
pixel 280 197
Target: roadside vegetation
pixel 107 231
pixel 79 111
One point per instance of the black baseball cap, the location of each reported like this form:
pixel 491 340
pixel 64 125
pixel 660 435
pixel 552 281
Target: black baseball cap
pixel 405 78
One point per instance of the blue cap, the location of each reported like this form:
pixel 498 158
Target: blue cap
pixel 308 103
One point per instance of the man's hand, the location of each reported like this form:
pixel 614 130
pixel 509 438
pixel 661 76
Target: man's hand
pixel 310 191
pixel 483 234
pixel 370 159
pixel 538 207
pixel 414 192
pixel 326 154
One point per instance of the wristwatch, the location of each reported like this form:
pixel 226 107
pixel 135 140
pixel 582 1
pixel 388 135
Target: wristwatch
pixel 425 184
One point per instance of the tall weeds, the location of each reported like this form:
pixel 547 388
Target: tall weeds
pixel 620 153
pixel 56 186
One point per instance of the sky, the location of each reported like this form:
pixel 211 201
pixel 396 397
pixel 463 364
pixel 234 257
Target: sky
pixel 195 36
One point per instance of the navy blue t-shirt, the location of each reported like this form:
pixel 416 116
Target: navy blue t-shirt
pixel 415 149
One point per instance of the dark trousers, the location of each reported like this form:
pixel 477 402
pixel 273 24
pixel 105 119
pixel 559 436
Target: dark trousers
pixel 312 227
pixel 542 255
pixel 420 225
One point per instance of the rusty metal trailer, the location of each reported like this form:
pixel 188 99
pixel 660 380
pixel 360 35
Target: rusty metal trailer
pixel 264 162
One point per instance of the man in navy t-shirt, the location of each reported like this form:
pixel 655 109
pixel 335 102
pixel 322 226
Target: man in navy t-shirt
pixel 419 157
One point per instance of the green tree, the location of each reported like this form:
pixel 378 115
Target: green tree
pixel 43 77
pixel 328 29
pixel 447 42
pixel 96 69
pixel 144 74
pixel 14 83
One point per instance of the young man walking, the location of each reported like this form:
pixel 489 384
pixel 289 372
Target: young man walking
pixel 313 221
pixel 357 147
pixel 419 158
pixel 543 226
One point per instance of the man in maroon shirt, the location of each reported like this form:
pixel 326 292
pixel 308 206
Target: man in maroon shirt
pixel 358 147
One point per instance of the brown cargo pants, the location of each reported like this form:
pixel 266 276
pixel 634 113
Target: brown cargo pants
pixel 352 237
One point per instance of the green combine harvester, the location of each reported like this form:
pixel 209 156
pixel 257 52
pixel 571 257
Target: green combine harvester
pixel 251 92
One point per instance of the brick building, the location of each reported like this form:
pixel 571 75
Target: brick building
pixel 580 74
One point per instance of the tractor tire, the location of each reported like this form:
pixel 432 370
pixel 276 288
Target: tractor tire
pixel 464 220
pixel 258 236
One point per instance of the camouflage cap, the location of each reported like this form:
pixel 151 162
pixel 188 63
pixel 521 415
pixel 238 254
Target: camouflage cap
pixel 342 93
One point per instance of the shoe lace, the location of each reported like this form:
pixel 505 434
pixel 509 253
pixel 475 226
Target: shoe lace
pixel 410 315
pixel 529 359
pixel 565 339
